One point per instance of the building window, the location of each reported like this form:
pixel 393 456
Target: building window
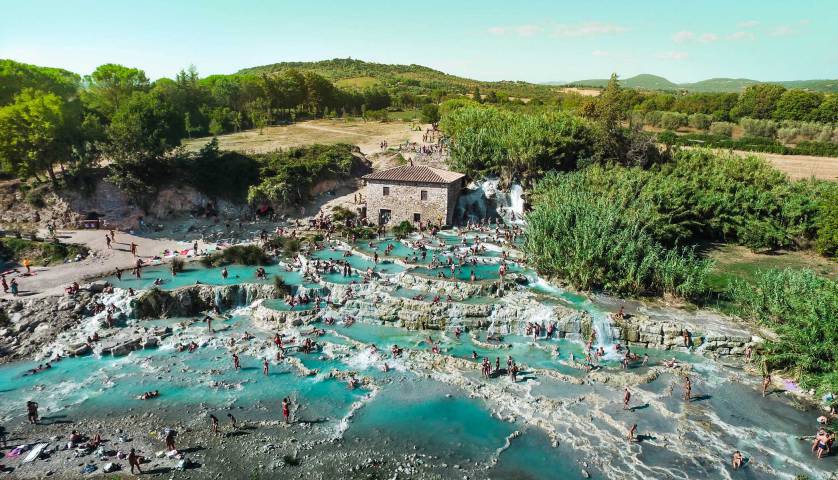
pixel 386 191
pixel 423 195
pixel 417 218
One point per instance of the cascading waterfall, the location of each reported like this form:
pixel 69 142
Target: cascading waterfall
pixel 486 200
pixel 604 338
pixel 516 203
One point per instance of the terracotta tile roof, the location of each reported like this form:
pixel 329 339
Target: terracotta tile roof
pixel 415 173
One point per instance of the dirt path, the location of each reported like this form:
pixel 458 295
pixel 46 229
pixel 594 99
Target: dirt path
pixel 102 261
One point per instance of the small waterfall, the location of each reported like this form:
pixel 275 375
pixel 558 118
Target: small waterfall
pixel 475 204
pixel 485 200
pixel 516 202
pixel 602 327
pixel 218 297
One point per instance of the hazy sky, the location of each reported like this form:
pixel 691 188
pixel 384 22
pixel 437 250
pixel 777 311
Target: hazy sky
pixel 486 39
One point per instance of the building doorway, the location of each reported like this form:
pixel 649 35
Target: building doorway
pixel 384 216
pixel 417 218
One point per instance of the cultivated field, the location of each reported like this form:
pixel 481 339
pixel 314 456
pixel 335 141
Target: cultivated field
pixel 801 166
pixel 366 135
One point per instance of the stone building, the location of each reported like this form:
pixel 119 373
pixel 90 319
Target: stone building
pixel 413 193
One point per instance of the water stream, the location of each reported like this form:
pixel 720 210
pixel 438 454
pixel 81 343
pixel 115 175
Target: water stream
pixel 553 423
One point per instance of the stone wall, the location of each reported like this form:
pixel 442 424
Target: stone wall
pixel 642 331
pixel 404 200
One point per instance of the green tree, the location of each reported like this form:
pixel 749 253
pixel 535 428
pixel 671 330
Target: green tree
pixel 797 105
pixel 430 113
pixel 16 77
pixel 110 85
pixel 758 101
pixel 37 132
pixel 827 112
pixel 258 113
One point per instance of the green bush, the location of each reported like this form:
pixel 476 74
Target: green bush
pixel 38 252
pixel 178 265
pixel 758 128
pixel 403 229
pixel 801 308
pixel 579 233
pixel 700 121
pixel 673 120
pixel 238 254
pixel 490 141
pixel 287 176
pixel 430 113
pixel 826 220
pixel 722 129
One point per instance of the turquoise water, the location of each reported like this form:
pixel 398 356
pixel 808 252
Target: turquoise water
pixel 412 411
pixel 358 262
pixel 194 272
pixel 482 271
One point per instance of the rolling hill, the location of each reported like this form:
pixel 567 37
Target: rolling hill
pixel 353 73
pixel 654 82
pixel 348 73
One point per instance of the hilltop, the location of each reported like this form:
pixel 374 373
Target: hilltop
pixel 732 85
pixel 349 73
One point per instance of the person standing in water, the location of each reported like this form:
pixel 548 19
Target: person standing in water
pixel 214 421
pixel 32 412
pixel 737 460
pixel 224 273
pixel 236 363
pixel 265 366
pixel 766 382
pixel 626 399
pixel 687 388
pixel 286 409
pixel 233 422
pixel 632 433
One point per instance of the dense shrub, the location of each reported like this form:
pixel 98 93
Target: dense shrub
pixel 700 195
pixel 239 254
pixel 826 220
pixel 724 129
pixel 801 308
pixel 486 140
pixel 758 128
pixel 700 121
pixel 38 252
pixel 578 233
pixel 403 229
pixel 287 176
pixel 673 120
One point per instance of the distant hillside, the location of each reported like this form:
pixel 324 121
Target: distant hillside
pixel 654 82
pixel 351 73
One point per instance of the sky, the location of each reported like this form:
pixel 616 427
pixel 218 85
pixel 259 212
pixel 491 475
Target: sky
pixel 531 40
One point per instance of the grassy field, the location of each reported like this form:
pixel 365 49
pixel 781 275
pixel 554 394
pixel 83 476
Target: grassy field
pixel 358 82
pixel 733 261
pixel 366 135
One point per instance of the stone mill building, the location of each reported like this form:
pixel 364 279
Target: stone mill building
pixel 413 193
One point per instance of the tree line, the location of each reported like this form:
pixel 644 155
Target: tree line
pixel 52 119
pixel 763 101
